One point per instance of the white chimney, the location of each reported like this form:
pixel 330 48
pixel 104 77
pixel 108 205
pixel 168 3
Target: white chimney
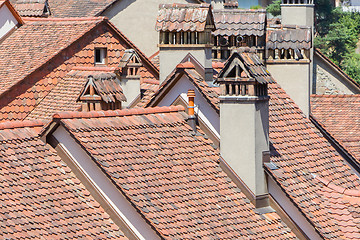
pixel 244 124
pixel 184 29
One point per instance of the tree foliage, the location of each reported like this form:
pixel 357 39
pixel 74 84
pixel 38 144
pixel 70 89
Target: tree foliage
pixel 274 8
pixel 337 33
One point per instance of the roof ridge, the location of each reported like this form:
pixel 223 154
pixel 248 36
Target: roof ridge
pixel 21 124
pixel 118 113
pixel 36 19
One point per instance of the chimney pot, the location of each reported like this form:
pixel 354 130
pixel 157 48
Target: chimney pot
pixel 191 109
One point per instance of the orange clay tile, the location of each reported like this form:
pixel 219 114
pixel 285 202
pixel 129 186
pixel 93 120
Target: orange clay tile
pixel 34 70
pixel 171 176
pixel 40 196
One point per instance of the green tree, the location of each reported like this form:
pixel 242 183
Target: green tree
pixel 351 65
pixel 274 8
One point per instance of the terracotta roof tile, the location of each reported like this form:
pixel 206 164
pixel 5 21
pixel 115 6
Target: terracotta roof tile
pixel 182 17
pixel 155 59
pixel 39 195
pixel 65 95
pixel 239 22
pixel 285 37
pixel 42 75
pixel 54 36
pixel 30 8
pixel 171 176
pixel 307 164
pixel 303 156
pixel 68 8
pixel 339 115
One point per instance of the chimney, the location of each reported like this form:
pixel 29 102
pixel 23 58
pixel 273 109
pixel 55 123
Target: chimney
pixel 191 109
pixel 190 34
pixel 244 125
pixel 291 62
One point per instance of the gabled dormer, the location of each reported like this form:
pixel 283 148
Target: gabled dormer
pixel 243 75
pixel 101 92
pixel 130 64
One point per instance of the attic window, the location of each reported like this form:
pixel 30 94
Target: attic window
pixel 100 55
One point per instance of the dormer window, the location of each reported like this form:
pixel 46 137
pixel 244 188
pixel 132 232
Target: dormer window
pixel 130 64
pixel 102 92
pixel 100 55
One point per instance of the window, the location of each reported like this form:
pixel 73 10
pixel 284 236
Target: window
pixel 100 55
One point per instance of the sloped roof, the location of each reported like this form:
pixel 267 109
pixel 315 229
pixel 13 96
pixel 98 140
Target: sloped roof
pixel 171 176
pixel 40 197
pixel 57 53
pixel 31 8
pixel 107 86
pixel 308 169
pixel 252 64
pixel 234 22
pixel 339 115
pixel 183 17
pixel 40 40
pixel 285 37
pixel 68 8
pixel 64 96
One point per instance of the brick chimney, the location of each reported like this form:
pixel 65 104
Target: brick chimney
pixel 244 124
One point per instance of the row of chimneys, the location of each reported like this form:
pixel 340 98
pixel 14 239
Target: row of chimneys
pixel 244 120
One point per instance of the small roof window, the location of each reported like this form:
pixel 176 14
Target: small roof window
pixel 100 56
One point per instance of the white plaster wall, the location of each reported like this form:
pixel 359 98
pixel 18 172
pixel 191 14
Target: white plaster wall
pixel 295 80
pixel 292 210
pixel 244 137
pixel 172 56
pixel 297 14
pixel 105 186
pixel 131 88
pixel 7 21
pixel 329 80
pixel 136 19
pixel 181 87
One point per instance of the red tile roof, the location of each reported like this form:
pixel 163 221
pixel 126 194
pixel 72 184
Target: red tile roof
pixel 65 94
pixel 171 176
pixel 339 115
pixel 69 8
pixel 40 197
pixel 40 41
pixel 239 22
pixel 302 156
pixel 30 8
pixel 285 37
pixel 155 59
pixel 182 17
pixel 68 43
